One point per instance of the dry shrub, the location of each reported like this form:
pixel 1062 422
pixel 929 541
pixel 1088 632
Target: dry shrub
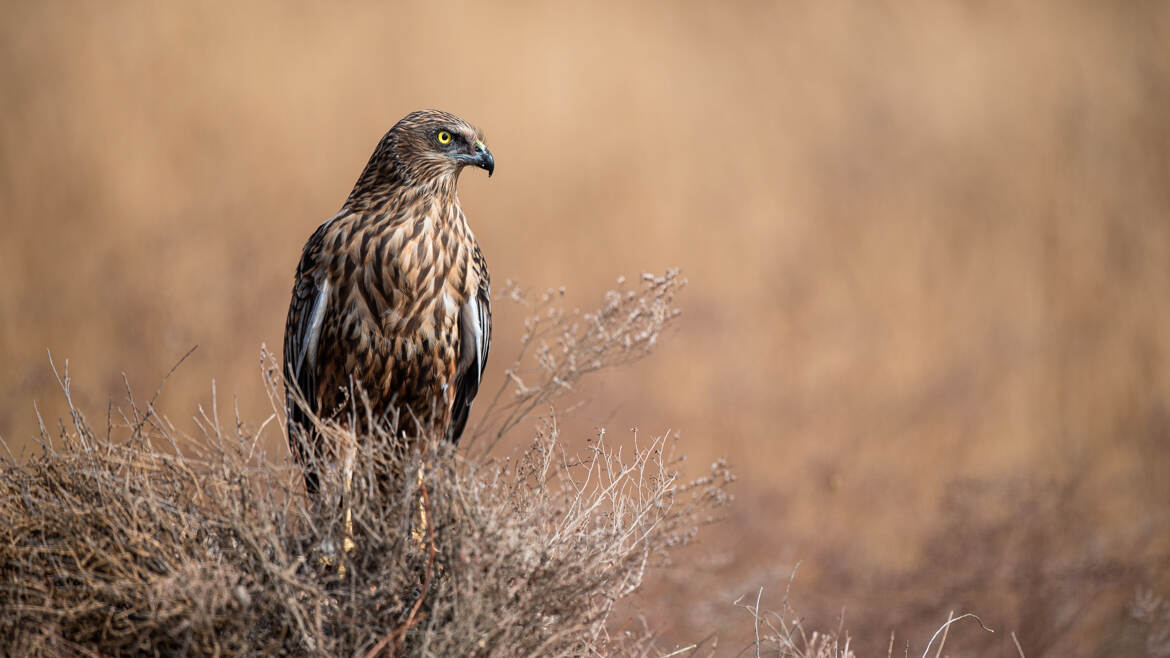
pixel 782 634
pixel 144 542
pixel 560 346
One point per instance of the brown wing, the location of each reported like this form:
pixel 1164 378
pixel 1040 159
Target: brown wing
pixel 475 337
pixel 302 334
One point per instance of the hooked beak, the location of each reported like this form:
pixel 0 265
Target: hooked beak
pixel 483 159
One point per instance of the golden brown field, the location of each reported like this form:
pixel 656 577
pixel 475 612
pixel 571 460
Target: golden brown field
pixel 928 247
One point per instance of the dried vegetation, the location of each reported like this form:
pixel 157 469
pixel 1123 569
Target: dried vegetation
pixel 141 541
pixel 127 537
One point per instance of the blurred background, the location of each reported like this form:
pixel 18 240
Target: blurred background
pixel 928 247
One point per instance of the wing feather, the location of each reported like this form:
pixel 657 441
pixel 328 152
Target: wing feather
pixel 302 337
pixel 475 337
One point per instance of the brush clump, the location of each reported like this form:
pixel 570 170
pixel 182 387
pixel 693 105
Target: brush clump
pixel 144 542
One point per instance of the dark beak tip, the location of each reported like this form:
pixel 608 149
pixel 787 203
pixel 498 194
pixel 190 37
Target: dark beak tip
pixel 483 159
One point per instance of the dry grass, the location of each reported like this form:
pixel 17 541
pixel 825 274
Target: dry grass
pixel 782 634
pixel 137 541
pixel 116 549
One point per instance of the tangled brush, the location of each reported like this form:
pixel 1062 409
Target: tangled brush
pixel 144 542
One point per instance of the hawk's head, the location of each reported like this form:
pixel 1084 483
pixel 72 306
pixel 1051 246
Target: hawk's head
pixel 429 145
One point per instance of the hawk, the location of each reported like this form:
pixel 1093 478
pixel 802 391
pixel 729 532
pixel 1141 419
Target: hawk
pixel 390 306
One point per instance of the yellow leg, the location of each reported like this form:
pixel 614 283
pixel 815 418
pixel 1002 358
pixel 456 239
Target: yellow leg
pixel 347 544
pixel 325 552
pixel 419 532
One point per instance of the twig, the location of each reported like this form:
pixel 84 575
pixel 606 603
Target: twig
pixel 951 621
pixel 1018 647
pixel 756 615
pixel 787 589
pixel 4 443
pixel 946 629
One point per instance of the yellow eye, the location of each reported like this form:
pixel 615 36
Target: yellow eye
pixel 444 137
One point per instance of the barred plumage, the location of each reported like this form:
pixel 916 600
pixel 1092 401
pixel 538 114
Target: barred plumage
pixel 391 298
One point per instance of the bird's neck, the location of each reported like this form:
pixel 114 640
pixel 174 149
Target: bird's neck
pixel 396 195
pixel 441 190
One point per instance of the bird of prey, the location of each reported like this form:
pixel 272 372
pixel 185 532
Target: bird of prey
pixel 390 306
